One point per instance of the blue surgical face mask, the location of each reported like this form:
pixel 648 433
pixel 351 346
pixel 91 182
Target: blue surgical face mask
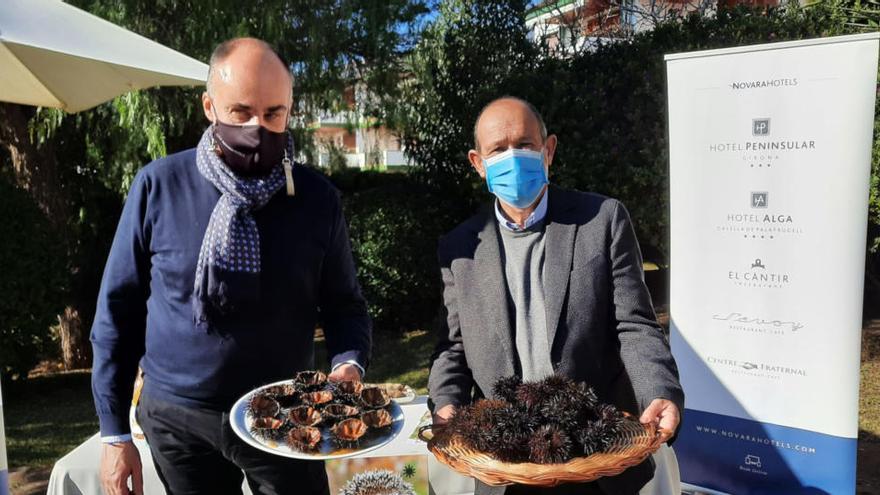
pixel 516 176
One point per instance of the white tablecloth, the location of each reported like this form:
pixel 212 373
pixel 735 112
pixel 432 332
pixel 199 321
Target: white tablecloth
pixel 77 472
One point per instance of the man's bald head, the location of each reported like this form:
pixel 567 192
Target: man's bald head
pixel 509 123
pixel 257 51
pixel 507 102
pixel 248 84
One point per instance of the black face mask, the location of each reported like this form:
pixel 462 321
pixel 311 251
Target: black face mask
pixel 249 150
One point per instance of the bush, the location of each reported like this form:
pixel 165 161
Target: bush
pixel 33 268
pixel 394 230
pixel 354 180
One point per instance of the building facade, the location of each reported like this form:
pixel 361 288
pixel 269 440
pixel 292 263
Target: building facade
pixel 571 26
pixel 349 137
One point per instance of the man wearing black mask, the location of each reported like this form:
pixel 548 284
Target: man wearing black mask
pixel 225 258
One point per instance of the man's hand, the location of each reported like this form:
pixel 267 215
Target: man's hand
pixel 443 415
pixel 663 413
pixel 118 462
pixel 345 373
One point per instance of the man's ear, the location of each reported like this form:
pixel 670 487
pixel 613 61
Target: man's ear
pixel 208 106
pixel 549 149
pixel 477 163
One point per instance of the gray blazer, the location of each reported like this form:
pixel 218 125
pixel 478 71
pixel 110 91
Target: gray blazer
pixel 600 320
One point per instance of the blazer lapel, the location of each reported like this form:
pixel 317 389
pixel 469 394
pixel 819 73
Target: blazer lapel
pixel 491 286
pixel 558 254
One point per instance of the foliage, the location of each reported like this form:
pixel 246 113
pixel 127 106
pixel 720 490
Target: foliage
pixel 336 162
pixel 33 281
pixel 607 106
pixel 394 230
pixel 862 13
pixel 328 44
pixel 473 52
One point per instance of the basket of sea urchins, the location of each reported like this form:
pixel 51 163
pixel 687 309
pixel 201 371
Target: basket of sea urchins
pixel 542 433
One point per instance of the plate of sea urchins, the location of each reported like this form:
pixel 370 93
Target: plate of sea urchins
pixel 310 417
pixel 542 433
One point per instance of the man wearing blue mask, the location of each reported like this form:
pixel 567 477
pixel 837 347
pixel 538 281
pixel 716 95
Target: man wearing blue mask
pixel 225 258
pixel 544 281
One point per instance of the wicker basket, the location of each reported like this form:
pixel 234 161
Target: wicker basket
pixel 635 442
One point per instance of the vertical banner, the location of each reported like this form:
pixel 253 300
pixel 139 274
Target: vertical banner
pixel 4 469
pixel 770 157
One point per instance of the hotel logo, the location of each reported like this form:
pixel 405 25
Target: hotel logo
pixel 757 275
pixel 760 127
pixel 759 199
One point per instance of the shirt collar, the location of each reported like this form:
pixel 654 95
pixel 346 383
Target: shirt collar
pixel 536 216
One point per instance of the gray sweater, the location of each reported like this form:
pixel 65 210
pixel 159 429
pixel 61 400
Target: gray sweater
pixel 523 254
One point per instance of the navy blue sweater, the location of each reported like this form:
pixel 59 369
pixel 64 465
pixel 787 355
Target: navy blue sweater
pixel 144 314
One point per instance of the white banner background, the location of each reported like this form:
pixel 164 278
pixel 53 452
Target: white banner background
pixel 770 152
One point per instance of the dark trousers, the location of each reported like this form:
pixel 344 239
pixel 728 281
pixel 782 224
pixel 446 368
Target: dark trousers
pixel 196 452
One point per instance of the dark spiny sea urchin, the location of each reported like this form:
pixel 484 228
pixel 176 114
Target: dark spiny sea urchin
pixel 561 410
pixel 304 439
pixel 505 388
pixel 547 421
pixel 578 395
pixel 532 395
pixel 267 428
pixel 588 440
pixel 514 432
pixel 478 423
pixel 557 384
pixel 263 405
pixel 550 445
pixel 608 425
pixel 609 413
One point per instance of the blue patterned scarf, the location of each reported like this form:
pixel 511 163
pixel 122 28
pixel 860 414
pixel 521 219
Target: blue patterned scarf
pixel 228 270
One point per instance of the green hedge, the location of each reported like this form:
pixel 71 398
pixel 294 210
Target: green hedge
pixel 33 275
pixel 395 223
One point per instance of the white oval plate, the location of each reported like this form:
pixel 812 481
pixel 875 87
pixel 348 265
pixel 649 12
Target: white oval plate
pixel 241 421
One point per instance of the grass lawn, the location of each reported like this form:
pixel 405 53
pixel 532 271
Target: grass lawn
pixel 869 412
pixel 47 418
pixel 869 396
pixel 396 359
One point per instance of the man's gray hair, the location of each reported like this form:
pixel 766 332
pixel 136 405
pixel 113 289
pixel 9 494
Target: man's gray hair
pixel 225 49
pixel 528 105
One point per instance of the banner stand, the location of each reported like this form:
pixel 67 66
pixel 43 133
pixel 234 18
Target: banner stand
pixel 769 170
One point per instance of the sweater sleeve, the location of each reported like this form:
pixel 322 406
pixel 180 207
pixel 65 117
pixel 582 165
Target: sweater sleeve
pixel 119 327
pixel 347 325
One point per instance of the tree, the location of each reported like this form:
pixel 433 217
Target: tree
pixel 473 52
pixel 78 167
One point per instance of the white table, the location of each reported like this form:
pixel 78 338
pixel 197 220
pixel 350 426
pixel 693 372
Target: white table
pixel 77 472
